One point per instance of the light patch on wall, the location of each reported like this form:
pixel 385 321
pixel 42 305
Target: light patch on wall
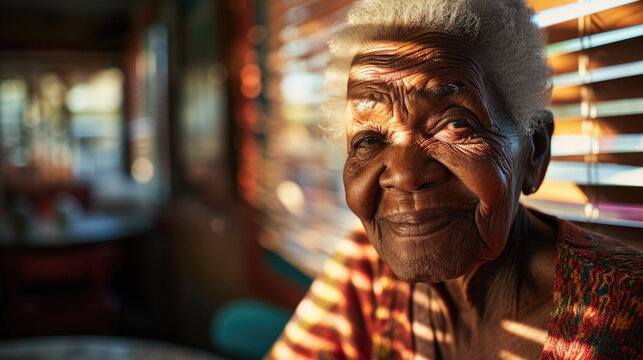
pixel 291 196
pixel 142 170
pixel 102 93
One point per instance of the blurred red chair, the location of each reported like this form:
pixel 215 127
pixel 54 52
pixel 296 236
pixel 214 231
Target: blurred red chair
pixel 60 290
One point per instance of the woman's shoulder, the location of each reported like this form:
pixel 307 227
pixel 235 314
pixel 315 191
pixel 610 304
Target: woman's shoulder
pixel 589 247
pixel 597 297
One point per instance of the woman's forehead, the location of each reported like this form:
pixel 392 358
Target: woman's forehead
pixel 419 63
pixel 421 80
pixel 436 69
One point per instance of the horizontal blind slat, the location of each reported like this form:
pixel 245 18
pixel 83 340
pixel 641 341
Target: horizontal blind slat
pixel 600 109
pixel 600 91
pixel 308 12
pixel 289 32
pixel 598 174
pixel 607 20
pixel 541 5
pixel 621 52
pixel 567 145
pixel 625 158
pixel 609 214
pixel 567 191
pixel 614 125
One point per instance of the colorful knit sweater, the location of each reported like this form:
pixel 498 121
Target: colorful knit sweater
pixel 358 310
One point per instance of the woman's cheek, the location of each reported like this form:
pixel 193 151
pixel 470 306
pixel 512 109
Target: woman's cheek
pixel 361 182
pixel 480 170
pixel 488 176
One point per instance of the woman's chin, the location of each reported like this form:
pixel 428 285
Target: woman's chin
pixel 430 258
pixel 427 275
pixel 415 269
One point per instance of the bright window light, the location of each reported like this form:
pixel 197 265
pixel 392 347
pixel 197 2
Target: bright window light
pixel 587 42
pixel 562 145
pixel 575 10
pixel 600 74
pixel 603 108
pixel 606 174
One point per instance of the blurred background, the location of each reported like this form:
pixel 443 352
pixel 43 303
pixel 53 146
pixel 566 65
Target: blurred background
pixel 163 176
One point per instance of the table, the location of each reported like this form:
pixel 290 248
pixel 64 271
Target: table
pixel 58 278
pixel 88 228
pixel 97 348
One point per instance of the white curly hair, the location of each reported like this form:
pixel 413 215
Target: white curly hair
pixel 512 43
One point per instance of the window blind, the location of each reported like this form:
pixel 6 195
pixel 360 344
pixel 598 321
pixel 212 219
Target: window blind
pixel 596 174
pixel 302 191
pixel 595 177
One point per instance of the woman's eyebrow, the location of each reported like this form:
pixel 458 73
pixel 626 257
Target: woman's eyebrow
pixel 442 90
pixel 358 88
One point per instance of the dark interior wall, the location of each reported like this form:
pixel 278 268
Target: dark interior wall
pixel 208 261
pixel 202 251
pixel 203 229
pixel 212 229
pixel 65 25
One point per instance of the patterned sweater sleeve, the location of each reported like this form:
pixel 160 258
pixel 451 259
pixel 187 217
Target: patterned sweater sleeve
pixel 598 305
pixel 334 320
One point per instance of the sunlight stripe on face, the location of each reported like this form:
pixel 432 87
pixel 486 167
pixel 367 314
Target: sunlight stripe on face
pixel 399 137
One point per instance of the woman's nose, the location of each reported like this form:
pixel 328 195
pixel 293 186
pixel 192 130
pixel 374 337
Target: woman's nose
pixel 409 168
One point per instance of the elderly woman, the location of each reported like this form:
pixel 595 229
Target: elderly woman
pixel 443 108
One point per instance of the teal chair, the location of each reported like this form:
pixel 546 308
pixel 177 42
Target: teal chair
pixel 246 329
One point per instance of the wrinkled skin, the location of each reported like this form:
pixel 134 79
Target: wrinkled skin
pixel 434 171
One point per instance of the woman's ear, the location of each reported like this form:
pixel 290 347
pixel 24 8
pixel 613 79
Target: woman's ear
pixel 540 154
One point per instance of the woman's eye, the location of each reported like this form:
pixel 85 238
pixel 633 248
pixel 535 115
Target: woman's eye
pixel 368 142
pixel 456 130
pixel 371 140
pixel 457 124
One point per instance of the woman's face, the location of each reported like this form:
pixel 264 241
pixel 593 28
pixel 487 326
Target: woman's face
pixel 433 176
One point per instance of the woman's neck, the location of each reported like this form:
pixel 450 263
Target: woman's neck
pixel 517 282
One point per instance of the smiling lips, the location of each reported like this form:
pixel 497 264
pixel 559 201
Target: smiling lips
pixel 420 223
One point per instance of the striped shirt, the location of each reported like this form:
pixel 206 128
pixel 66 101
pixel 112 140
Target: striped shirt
pixel 357 309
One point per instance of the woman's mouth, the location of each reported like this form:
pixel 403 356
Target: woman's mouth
pixel 419 223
